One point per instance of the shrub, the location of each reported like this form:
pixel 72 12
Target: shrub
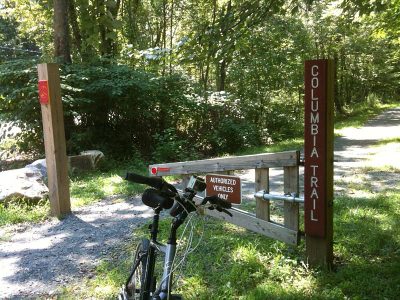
pixel 121 111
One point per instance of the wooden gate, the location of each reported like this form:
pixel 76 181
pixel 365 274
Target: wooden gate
pixel 260 222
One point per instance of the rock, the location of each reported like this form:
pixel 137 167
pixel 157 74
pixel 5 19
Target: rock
pixel 28 182
pixel 39 164
pixel 24 183
pixel 95 155
pixel 80 163
pixel 87 160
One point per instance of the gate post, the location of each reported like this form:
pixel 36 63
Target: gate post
pixel 318 161
pixel 262 183
pixel 54 138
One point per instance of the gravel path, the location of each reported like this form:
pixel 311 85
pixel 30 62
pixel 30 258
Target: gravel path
pixel 358 150
pixel 35 260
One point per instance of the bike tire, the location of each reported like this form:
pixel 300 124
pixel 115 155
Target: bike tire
pixel 135 284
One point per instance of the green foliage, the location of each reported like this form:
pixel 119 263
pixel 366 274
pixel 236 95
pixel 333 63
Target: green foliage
pixel 122 112
pixel 171 148
pixel 19 102
pixel 17 211
pixel 360 113
pixel 362 50
pixel 178 79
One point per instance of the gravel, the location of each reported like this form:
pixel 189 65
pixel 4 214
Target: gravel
pixel 37 259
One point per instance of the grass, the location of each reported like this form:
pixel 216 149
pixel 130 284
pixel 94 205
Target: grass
pixel 359 114
pixel 388 141
pixel 92 187
pixel 88 188
pixel 85 189
pixel 290 144
pixel 18 212
pixel 233 263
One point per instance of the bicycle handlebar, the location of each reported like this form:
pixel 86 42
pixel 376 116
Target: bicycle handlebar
pixel 164 195
pixel 155 182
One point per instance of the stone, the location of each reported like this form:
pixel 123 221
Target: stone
pixel 87 160
pixel 39 164
pixel 24 183
pixel 96 156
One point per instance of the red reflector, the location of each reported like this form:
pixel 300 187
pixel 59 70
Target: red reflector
pixel 43 92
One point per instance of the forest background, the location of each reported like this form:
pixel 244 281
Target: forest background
pixel 169 80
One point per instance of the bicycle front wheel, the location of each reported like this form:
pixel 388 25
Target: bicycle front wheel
pixel 135 283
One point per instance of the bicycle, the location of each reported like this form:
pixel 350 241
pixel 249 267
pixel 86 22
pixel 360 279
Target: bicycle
pixel 142 281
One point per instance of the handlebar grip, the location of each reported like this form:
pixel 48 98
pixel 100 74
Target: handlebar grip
pixel 154 182
pixel 154 198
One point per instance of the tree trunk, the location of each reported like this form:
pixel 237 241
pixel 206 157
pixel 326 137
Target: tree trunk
pixel 222 76
pixel 164 43
pixel 171 35
pixel 337 96
pixel 222 64
pixel 61 35
pixel 211 49
pixel 108 45
pixel 76 32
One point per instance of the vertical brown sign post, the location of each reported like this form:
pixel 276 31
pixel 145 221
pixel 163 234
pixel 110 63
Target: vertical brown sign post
pixel 318 161
pixel 54 138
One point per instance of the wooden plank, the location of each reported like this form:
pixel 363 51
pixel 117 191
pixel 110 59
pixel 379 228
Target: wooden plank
pixel 262 183
pixel 54 142
pixel 291 185
pixel 265 160
pixel 250 222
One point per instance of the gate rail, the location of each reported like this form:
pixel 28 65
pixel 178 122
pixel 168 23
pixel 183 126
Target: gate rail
pixel 259 222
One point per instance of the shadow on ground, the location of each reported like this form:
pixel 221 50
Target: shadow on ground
pixel 56 254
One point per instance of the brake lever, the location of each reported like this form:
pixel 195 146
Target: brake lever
pixel 227 212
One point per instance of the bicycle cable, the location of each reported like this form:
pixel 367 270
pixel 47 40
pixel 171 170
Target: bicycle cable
pixel 188 249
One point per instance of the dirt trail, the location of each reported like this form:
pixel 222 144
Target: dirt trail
pixel 360 146
pixel 35 260
pixel 355 149
pixel 358 150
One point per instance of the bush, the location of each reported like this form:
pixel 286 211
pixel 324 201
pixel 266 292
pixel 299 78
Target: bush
pixel 19 102
pixel 109 107
pixel 122 111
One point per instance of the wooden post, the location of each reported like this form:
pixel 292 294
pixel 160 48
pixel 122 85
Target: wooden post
pixel 262 183
pixel 318 161
pixel 291 185
pixel 54 139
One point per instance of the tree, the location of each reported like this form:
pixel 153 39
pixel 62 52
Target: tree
pixel 61 33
